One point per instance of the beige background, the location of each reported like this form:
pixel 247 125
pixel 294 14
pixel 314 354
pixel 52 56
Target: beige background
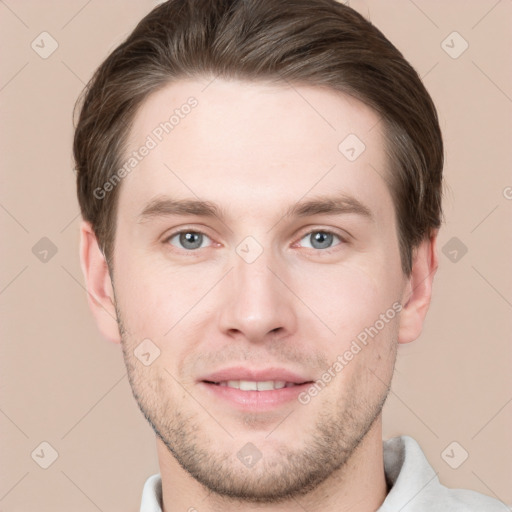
pixel 63 384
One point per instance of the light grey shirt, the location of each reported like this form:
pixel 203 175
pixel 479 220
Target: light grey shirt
pixel 415 486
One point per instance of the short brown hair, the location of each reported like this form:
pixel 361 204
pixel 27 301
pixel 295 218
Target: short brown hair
pixel 310 42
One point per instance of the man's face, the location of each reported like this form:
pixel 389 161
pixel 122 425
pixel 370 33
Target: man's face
pixel 252 289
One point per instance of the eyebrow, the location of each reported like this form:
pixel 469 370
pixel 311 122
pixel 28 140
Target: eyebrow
pixel 164 206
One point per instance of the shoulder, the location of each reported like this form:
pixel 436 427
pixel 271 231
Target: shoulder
pixel 415 487
pixel 466 500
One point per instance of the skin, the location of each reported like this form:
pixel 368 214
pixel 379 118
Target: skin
pixel 256 149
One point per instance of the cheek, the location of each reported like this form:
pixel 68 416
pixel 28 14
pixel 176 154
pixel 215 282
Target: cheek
pixel 350 299
pixel 159 301
pixel 347 297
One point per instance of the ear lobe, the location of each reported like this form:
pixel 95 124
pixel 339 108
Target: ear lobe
pixel 418 292
pixel 100 293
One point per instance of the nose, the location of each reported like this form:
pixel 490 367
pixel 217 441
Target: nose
pixel 257 305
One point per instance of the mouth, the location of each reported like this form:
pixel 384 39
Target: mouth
pixel 250 385
pixel 253 391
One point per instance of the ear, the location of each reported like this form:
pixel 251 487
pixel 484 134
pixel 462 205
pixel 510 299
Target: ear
pixel 418 290
pixel 100 292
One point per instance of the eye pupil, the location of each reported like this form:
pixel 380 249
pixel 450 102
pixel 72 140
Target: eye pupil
pixel 191 240
pixel 322 238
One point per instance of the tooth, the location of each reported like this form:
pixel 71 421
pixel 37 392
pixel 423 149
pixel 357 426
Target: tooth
pixel 247 385
pixel 267 385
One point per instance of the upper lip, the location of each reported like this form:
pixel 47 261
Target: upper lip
pixel 241 373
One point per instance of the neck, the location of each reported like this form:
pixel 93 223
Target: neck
pixel 359 486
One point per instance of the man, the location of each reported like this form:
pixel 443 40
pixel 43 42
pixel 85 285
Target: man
pixel 260 184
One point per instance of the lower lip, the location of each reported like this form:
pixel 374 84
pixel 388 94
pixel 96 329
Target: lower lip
pixel 256 400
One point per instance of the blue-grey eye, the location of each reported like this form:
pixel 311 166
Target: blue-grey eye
pixel 189 240
pixel 320 239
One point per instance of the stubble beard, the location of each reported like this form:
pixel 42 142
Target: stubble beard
pixel 281 475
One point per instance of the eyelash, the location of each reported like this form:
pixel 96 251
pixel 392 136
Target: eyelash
pixel 192 252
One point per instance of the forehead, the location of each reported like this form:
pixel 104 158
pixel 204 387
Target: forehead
pixel 253 147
